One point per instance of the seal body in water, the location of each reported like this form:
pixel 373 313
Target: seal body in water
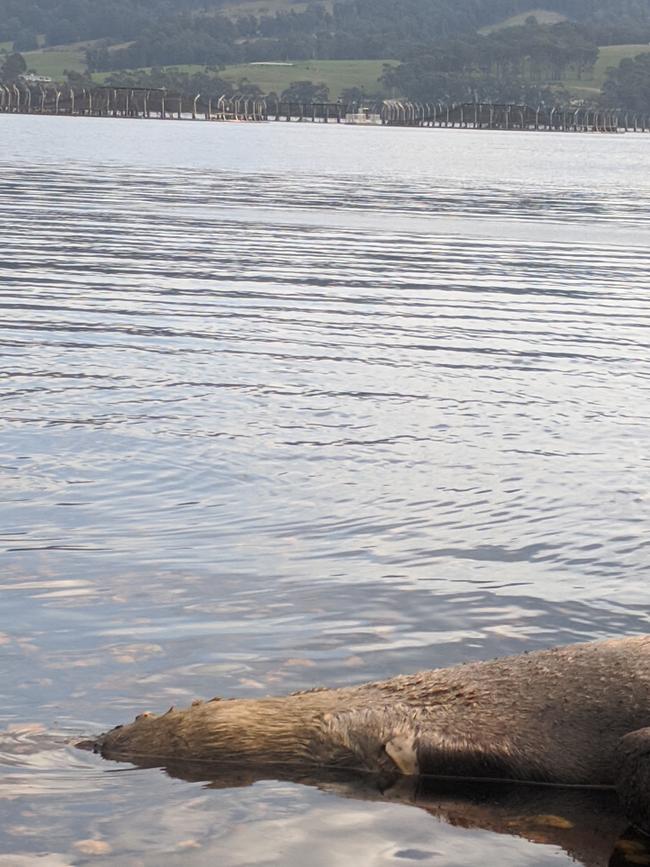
pixel 574 715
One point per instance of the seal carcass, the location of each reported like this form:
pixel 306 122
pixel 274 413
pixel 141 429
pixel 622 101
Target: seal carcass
pixel 575 715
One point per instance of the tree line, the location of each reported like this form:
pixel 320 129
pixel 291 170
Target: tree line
pixel 198 30
pixel 209 84
pixel 628 85
pixel 517 64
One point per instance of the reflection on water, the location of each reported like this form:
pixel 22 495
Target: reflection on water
pixel 263 429
pixel 232 815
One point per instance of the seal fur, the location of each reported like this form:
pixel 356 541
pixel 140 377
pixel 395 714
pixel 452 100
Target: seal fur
pixel 554 716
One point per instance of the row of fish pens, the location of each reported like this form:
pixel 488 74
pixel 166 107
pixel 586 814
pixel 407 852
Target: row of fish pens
pixel 136 102
pixel 18 97
pixel 478 115
pixel 126 102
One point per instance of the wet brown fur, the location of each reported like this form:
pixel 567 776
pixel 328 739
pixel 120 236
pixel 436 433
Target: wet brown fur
pixel 552 716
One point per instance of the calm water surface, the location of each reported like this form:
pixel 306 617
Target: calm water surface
pixel 288 405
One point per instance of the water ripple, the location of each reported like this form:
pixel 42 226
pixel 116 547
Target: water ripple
pixel 265 430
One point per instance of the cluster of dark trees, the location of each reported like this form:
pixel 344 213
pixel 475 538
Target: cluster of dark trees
pixel 510 65
pixel 305 92
pixel 208 84
pixel 431 86
pixel 628 86
pixel 197 31
pixel 63 21
pixel 12 67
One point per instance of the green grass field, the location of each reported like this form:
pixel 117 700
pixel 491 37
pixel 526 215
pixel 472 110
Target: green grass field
pixel 336 74
pixel 543 16
pixel 608 55
pixel 54 61
pixel 611 55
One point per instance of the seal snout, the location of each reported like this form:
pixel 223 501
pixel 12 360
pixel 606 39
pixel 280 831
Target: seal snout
pixel 89 746
pixel 96 745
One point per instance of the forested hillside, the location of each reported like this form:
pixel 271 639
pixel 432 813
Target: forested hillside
pixel 518 64
pixel 443 49
pixel 167 31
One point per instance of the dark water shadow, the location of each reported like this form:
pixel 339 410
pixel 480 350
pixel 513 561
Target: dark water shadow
pixel 586 824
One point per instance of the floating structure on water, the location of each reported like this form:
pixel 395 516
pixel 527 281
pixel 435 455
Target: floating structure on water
pixel 364 116
pixel 505 116
pixel 27 97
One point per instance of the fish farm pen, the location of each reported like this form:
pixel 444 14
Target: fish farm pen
pixel 135 102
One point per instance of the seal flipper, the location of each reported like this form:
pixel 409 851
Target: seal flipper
pixel 402 749
pixel 633 778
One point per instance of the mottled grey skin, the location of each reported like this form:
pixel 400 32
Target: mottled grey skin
pixel 555 716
